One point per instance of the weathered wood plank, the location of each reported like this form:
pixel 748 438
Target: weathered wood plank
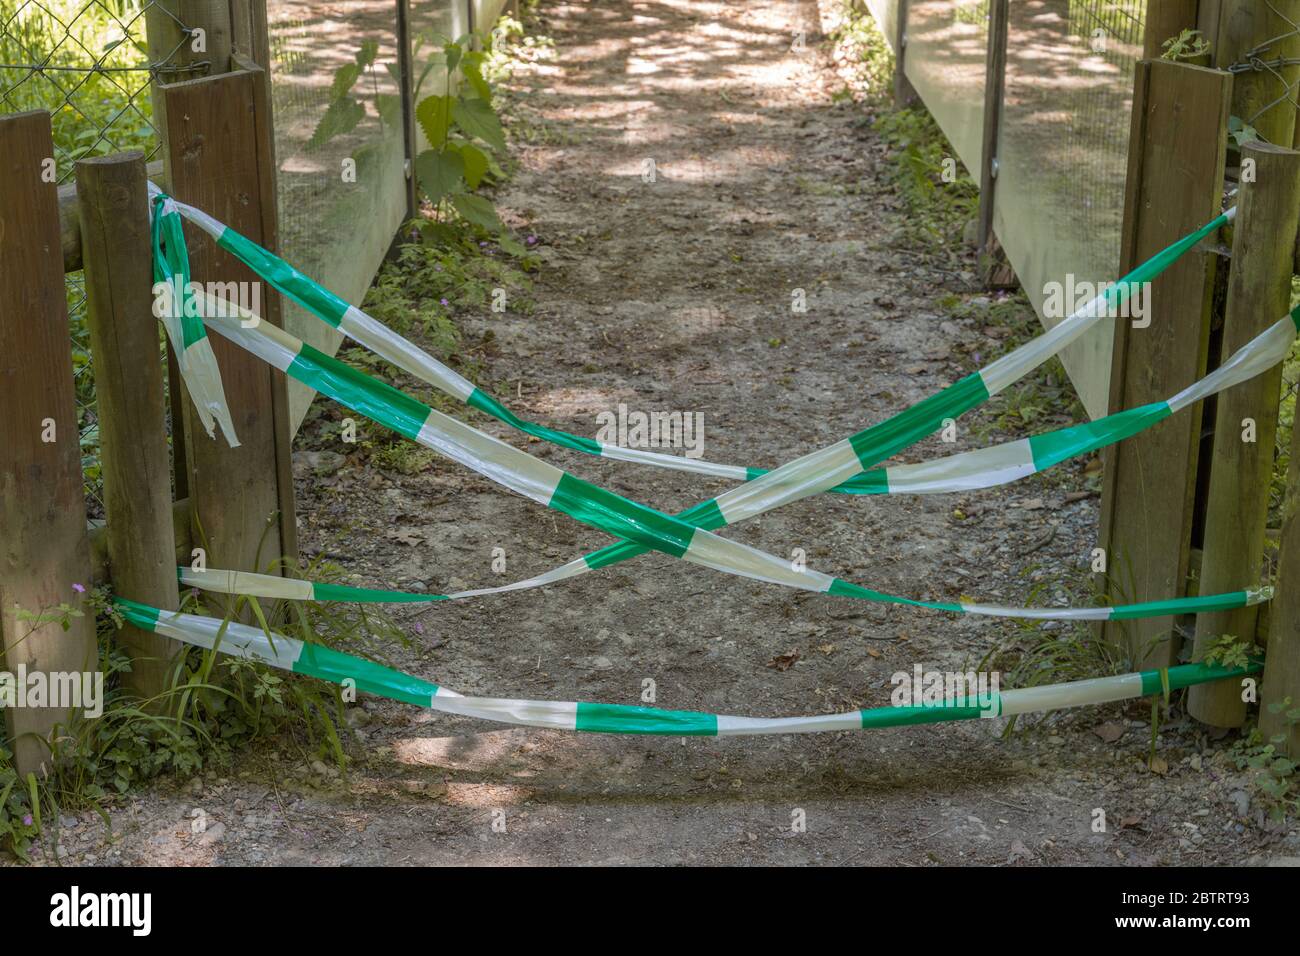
pixel 217 161
pixel 114 207
pixel 1176 159
pixel 43 544
pixel 1281 685
pixel 70 218
pixel 1259 293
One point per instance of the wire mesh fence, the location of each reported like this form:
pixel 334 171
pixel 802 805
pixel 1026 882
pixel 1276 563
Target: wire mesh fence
pixel 1063 146
pixel 341 182
pixel 88 63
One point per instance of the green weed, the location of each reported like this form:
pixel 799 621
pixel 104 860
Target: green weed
pixel 215 706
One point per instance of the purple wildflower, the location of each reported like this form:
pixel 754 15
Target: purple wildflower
pixel 531 240
pixel 27 820
pixel 79 588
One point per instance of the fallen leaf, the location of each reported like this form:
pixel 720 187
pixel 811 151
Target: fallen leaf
pixel 783 662
pixel 1110 731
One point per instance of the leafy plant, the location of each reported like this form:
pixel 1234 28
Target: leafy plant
pixel 465 140
pixel 1241 131
pixel 941 196
pixel 215 705
pixel 1188 45
pixel 1275 774
pixel 858 38
pixel 1228 651
pixel 19 824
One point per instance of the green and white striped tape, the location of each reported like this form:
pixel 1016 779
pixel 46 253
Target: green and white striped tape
pixel 315 660
pixel 190 344
pixel 687 536
pixel 871 446
pixel 681 537
pixel 252 584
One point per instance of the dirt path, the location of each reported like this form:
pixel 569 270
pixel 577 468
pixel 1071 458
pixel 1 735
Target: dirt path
pixel 675 295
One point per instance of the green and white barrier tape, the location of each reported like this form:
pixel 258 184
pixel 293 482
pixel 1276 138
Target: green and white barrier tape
pixel 315 660
pixel 252 584
pixel 193 350
pixel 953 401
pixel 618 516
pixel 820 471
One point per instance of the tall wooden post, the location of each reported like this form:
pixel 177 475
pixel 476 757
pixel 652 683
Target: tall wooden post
pixel 1259 293
pixel 406 97
pixel 115 240
pixel 219 159
pixel 187 39
pixel 905 95
pixel 1280 691
pixel 1175 178
pixel 44 549
pixel 1242 32
pixel 994 269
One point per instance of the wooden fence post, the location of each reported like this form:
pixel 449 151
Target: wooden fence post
pixel 1245 31
pixel 406 96
pixel 1259 293
pixel 116 251
pixel 1281 684
pixel 1175 179
pixel 905 95
pixel 995 271
pixel 44 548
pixel 219 159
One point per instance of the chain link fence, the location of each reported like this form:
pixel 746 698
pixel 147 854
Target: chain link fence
pixel 88 63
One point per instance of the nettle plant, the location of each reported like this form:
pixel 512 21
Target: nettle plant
pixel 465 141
